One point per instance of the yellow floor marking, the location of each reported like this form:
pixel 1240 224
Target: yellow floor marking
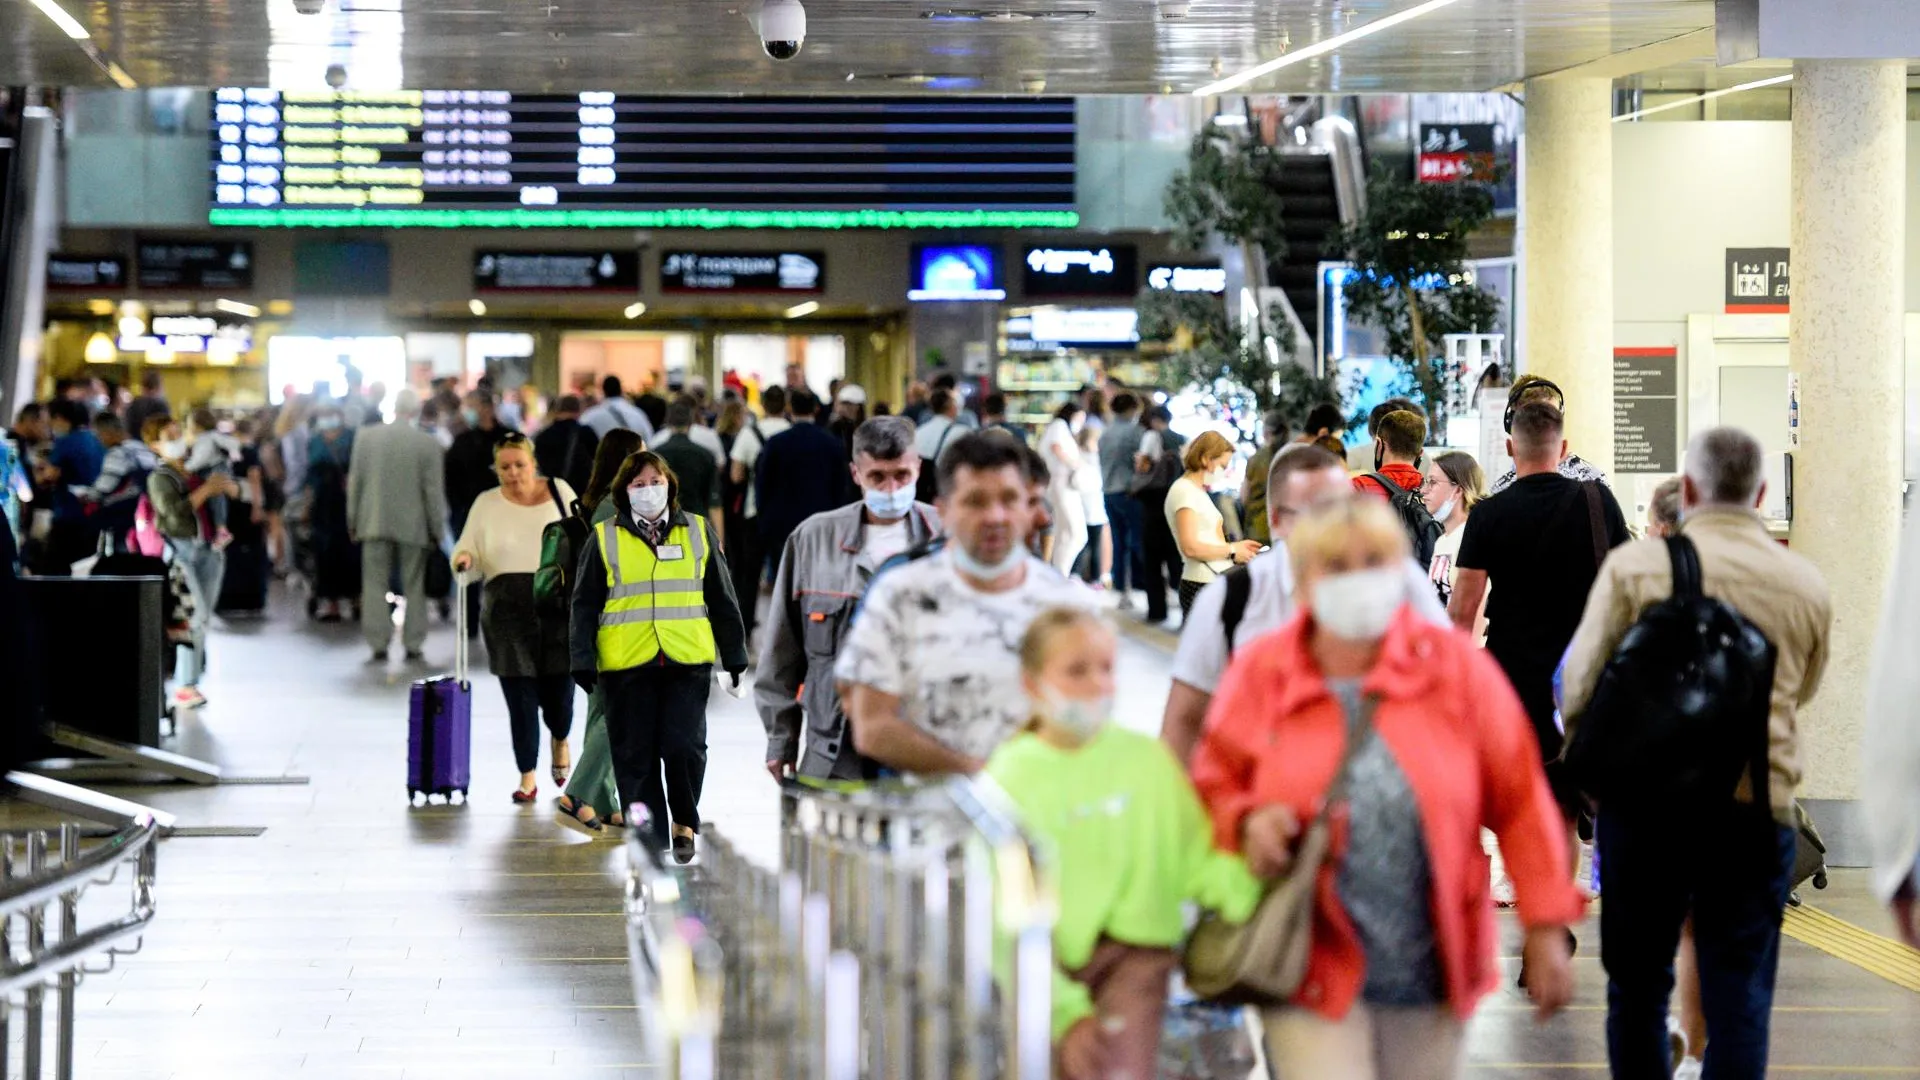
pixel 1868 951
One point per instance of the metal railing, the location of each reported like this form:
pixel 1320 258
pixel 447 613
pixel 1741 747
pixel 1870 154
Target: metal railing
pixel 43 948
pixel 871 954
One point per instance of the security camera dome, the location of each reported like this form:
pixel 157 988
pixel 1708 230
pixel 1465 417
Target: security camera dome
pixel 309 7
pixel 783 27
pixel 1173 9
pixel 336 75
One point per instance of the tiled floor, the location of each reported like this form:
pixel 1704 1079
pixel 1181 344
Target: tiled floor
pixel 358 937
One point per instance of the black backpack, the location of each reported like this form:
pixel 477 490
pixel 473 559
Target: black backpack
pixel 1233 608
pixel 1681 707
pixel 1422 529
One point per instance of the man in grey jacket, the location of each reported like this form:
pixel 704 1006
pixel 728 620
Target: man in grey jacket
pixel 824 570
pixel 397 511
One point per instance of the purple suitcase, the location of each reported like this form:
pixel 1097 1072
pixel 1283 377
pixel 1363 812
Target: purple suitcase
pixel 440 726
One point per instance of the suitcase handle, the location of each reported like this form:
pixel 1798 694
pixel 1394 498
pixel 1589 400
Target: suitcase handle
pixel 461 579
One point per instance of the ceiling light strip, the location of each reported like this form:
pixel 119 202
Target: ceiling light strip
pixel 1708 96
pixel 67 23
pixel 1321 48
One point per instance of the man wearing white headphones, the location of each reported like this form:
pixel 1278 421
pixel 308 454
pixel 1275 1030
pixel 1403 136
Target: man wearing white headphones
pixel 1526 390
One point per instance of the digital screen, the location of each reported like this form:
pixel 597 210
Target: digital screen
pixel 956 272
pixel 1174 277
pixel 194 264
pixel 323 268
pixel 1102 270
pixel 490 158
pixel 86 272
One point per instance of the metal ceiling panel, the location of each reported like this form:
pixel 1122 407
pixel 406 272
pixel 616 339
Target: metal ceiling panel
pixel 851 46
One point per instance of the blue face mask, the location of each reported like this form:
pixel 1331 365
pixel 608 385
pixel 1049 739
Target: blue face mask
pixel 471 416
pixel 888 505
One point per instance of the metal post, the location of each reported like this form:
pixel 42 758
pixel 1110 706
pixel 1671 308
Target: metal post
pixel 840 1037
pixel 976 944
pixel 69 926
pixel 815 934
pixel 36 942
pixel 936 971
pixel 6 956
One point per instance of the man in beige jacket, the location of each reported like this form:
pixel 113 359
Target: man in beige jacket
pixel 1729 864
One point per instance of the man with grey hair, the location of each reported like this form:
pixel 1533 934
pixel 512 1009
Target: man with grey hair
pixel 1730 864
pixel 397 511
pixel 825 568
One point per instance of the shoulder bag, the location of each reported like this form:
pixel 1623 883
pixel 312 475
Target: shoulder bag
pixel 1264 960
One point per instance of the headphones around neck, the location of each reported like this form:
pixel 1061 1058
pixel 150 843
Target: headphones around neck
pixel 1527 385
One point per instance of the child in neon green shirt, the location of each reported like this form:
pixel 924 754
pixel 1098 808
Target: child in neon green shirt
pixel 1128 846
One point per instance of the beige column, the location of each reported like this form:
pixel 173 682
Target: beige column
pixel 1849 280
pixel 1568 246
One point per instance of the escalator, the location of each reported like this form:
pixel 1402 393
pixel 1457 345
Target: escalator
pixel 1312 221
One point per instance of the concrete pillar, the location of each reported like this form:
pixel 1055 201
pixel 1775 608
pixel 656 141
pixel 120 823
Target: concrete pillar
pixel 1849 277
pixel 1568 238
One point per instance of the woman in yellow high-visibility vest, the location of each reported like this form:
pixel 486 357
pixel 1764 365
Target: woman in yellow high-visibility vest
pixel 653 612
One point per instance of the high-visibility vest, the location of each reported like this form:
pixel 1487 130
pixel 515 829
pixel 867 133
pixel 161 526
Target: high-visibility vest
pixel 654 605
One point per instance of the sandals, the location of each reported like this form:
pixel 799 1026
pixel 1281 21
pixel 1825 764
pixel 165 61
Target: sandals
pixel 560 768
pixel 567 810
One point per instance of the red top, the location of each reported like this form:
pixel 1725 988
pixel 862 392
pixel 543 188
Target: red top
pixel 1469 754
pixel 1406 476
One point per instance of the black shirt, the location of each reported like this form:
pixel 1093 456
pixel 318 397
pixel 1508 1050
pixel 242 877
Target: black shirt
pixel 1535 542
pixel 694 467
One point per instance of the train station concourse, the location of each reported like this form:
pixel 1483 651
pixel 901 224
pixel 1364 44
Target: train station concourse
pixel 880 540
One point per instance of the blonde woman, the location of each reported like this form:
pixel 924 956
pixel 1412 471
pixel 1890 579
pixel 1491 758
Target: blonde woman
pixel 526 649
pixel 1198 527
pixel 1455 484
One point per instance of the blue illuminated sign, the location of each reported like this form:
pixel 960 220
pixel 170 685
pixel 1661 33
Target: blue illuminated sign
pixel 956 272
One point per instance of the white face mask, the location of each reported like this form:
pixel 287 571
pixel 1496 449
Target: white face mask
pixel 1079 718
pixel 649 502
pixel 1358 606
pixel 174 448
pixel 1446 511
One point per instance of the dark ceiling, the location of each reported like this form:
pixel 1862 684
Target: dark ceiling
pixel 851 46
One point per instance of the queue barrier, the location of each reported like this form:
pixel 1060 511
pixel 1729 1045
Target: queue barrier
pixel 43 948
pixel 870 953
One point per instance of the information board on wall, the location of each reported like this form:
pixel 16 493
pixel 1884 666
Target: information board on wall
pixel 480 158
pixel 1454 152
pixel 1646 410
pixel 556 271
pixel 1090 270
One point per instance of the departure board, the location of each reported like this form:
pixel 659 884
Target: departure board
pixel 486 158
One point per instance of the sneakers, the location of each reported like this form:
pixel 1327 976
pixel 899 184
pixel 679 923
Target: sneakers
pixel 1126 600
pixel 1688 1069
pixel 188 697
pixel 415 656
pixel 379 657
pixel 1677 1050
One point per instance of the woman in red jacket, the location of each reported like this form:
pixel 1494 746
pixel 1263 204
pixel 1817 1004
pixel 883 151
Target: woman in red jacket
pixel 1404 933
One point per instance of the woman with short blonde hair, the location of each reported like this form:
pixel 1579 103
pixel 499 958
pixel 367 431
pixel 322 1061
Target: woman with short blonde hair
pixel 1432 745
pixel 1199 529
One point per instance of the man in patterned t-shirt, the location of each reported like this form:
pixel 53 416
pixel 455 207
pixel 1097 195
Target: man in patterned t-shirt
pixel 930 674
pixel 1526 390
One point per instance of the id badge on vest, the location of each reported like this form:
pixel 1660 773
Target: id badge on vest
pixel 669 552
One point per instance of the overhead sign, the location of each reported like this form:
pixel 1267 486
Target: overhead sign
pixel 195 264
pixel 556 271
pixel 743 272
pixel 1454 152
pixel 1173 277
pixel 1646 410
pixel 1758 281
pixel 191 334
pixel 1105 270
pixel 86 272
pixel 1068 328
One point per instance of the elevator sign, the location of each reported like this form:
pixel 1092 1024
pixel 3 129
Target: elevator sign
pixel 1758 282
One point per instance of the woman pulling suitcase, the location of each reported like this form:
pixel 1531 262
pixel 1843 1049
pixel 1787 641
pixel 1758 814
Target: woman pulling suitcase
pixel 653 612
pixel 527 652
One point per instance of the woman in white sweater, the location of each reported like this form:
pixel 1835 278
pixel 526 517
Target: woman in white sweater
pixel 525 649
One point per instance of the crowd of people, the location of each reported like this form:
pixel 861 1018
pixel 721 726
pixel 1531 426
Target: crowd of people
pixel 937 595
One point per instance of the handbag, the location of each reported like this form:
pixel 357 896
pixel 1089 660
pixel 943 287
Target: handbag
pixel 1264 960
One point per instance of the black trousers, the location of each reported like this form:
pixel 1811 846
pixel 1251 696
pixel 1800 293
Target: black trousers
pixel 743 564
pixel 530 698
pixel 657 726
pixel 1164 564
